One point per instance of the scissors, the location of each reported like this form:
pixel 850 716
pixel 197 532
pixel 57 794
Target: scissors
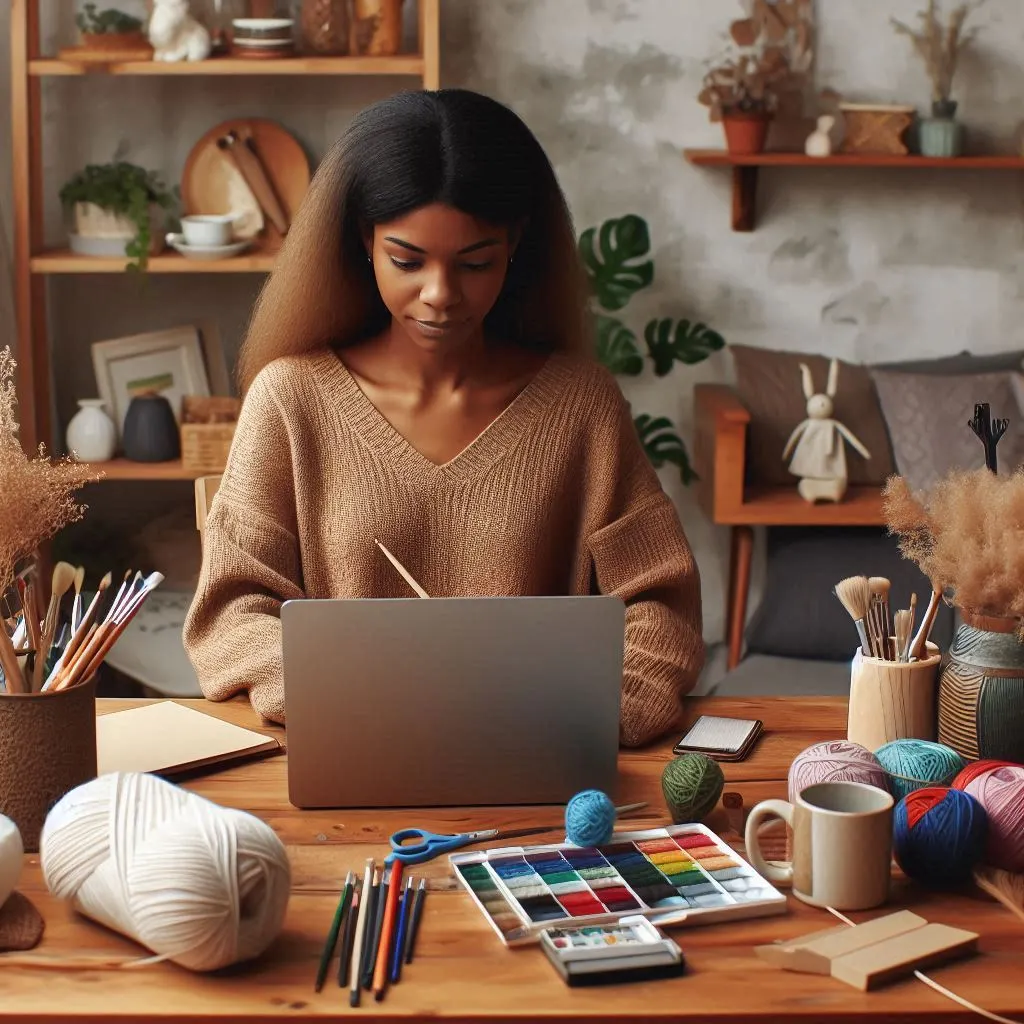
pixel 426 845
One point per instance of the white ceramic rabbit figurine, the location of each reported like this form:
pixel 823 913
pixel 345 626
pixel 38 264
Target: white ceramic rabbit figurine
pixel 175 34
pixel 819 142
pixel 820 457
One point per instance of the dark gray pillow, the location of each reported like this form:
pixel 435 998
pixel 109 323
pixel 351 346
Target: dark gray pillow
pixel 800 616
pixel 962 362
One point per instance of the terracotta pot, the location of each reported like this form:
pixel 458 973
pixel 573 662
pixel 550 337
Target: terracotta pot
pixel 981 690
pixel 745 133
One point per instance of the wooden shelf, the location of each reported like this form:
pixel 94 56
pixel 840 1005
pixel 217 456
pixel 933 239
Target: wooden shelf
pixel 783 506
pixel 124 469
pixel 403 64
pixel 745 170
pixel 64 261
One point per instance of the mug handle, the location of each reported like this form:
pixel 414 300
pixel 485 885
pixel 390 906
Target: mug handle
pixel 779 873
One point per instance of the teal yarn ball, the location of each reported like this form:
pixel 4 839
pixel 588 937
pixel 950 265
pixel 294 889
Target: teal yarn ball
pixel 939 835
pixel 589 818
pixel 914 764
pixel 691 785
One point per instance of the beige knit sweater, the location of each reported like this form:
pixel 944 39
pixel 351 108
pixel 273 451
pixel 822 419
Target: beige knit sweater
pixel 555 497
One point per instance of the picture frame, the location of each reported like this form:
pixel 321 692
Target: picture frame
pixel 170 362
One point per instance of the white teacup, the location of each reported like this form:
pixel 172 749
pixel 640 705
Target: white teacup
pixel 205 230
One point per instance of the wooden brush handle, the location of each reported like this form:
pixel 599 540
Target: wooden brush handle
pixel 15 681
pixel 918 646
pixel 251 167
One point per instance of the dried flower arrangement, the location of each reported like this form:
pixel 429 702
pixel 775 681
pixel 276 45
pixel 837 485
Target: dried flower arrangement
pixel 765 67
pixel 36 502
pixel 966 533
pixel 939 46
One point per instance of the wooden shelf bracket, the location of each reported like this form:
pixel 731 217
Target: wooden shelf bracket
pixel 744 198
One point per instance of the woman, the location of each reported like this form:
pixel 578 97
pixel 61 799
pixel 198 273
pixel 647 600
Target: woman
pixel 416 371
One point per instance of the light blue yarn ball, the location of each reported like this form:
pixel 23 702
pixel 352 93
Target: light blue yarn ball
pixel 589 818
pixel 913 764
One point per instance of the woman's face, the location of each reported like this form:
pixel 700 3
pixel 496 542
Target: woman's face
pixel 439 272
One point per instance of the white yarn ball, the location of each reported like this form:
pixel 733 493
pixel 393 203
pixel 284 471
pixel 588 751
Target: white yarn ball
pixel 11 854
pixel 202 885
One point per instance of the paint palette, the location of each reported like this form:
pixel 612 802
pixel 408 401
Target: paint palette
pixel 523 890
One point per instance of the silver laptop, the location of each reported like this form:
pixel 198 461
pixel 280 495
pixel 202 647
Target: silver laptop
pixel 414 702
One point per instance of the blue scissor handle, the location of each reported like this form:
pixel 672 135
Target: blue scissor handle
pixel 426 845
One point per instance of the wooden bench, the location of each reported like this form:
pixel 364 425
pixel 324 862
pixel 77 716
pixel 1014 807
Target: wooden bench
pixel 720 458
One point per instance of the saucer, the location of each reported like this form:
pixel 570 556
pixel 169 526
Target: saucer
pixel 208 252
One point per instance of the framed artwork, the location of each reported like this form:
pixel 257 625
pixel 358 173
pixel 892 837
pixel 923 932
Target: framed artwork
pixel 169 363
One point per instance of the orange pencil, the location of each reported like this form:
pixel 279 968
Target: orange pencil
pixel 380 974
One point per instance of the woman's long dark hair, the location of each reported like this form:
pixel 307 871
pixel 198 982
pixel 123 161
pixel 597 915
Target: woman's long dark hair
pixel 450 146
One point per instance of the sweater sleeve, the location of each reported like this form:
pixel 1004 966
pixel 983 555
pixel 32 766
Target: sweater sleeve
pixel 251 564
pixel 641 554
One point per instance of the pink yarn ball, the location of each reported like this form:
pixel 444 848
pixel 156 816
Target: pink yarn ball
pixel 835 761
pixel 1001 793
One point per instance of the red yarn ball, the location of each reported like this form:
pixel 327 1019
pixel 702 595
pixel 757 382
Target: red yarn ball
pixel 976 768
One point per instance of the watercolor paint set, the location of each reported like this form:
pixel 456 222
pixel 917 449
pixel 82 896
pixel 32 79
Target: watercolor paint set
pixel 524 890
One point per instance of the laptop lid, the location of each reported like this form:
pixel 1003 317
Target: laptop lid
pixel 413 702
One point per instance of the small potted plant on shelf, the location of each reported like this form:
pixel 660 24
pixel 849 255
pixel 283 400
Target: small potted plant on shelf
pixel 763 69
pixel 117 209
pixel 939 46
pixel 109 29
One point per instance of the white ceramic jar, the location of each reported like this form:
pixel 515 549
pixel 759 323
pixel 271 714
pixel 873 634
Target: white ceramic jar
pixel 91 434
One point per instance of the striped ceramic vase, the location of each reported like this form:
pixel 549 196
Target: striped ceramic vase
pixel 981 690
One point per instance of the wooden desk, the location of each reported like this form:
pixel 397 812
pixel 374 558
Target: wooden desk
pixel 461 970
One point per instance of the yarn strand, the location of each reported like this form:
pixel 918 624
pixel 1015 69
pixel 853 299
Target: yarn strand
pixel 941 989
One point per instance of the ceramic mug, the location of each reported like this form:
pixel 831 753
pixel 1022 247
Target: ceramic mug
pixel 207 230
pixel 842 844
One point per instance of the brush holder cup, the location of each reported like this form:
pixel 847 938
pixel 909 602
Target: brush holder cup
pixel 891 700
pixel 49 747
pixel 981 690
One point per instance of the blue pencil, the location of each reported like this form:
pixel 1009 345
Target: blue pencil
pixel 403 924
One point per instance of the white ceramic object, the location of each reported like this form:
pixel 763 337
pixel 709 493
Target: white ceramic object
pixel 206 230
pixel 91 435
pixel 175 34
pixel 99 232
pixel 262 24
pixel 819 142
pixel 214 252
pixel 11 854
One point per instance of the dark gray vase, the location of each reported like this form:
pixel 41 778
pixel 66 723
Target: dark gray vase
pixel 150 431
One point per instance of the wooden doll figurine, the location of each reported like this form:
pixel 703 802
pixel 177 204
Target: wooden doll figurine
pixel 819 458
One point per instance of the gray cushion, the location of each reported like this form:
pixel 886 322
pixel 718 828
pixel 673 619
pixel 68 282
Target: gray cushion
pixel 799 615
pixel 962 362
pixel 761 676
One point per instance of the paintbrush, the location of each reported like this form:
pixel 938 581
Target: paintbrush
pixel 901 627
pixel 917 646
pixel 62 580
pixel 855 595
pixel 402 570
pixel 880 588
pixel 76 607
pixel 81 634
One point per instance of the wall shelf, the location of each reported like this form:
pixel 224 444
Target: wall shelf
pixel 125 469
pixel 64 261
pixel 403 64
pixel 745 170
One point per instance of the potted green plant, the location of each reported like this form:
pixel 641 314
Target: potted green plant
pixel 117 209
pixel 766 61
pixel 615 256
pixel 109 29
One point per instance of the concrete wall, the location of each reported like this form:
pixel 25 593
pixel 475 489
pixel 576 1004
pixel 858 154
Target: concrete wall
pixel 866 265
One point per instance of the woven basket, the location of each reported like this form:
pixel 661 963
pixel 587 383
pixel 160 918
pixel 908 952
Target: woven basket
pixel 207 430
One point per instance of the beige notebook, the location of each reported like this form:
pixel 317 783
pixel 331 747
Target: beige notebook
pixel 166 738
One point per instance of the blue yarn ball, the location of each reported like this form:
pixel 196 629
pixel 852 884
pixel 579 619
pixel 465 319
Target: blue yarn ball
pixel 589 818
pixel 939 835
pixel 913 764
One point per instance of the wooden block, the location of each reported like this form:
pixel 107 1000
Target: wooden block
pixel 874 953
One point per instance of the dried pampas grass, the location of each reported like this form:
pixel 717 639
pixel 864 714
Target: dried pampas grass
pixel 967 536
pixel 36 495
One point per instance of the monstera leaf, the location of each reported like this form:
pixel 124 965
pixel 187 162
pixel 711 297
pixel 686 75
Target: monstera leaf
pixel 617 347
pixel 610 253
pixel 662 444
pixel 686 342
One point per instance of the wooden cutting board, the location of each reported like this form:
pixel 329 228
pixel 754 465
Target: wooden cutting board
pixel 211 183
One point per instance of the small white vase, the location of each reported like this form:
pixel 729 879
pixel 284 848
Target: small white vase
pixel 91 434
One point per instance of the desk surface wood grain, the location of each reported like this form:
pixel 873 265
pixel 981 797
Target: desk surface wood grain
pixel 461 971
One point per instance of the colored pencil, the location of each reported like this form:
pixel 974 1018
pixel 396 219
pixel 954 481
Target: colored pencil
pixel 380 901
pixel 403 930
pixel 347 941
pixel 358 946
pixel 414 924
pixel 380 974
pixel 365 960
pixel 332 934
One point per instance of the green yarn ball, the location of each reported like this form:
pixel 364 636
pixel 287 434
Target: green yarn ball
pixel 692 785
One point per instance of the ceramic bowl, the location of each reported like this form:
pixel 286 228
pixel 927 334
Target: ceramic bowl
pixel 278 29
